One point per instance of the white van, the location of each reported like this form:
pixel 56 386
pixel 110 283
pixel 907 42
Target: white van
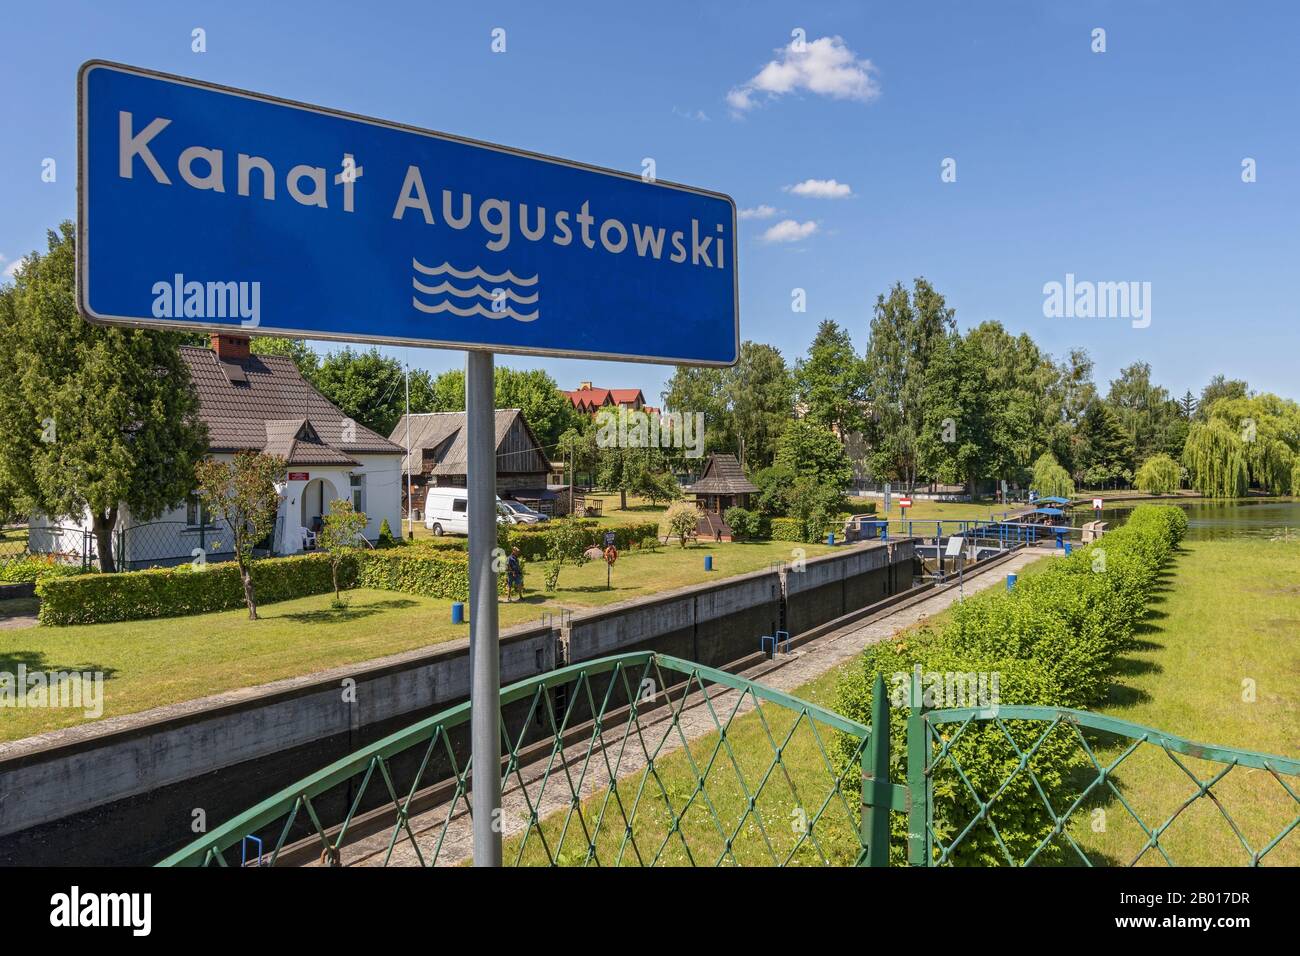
pixel 446 511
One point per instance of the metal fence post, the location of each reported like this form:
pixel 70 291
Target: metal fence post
pixel 875 779
pixel 918 781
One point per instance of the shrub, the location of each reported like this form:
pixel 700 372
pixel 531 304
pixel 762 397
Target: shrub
pixel 744 523
pixel 679 521
pixel 650 543
pixel 36 567
pixel 436 573
pixel 386 539
pixel 1053 641
pixel 982 752
pixel 186 589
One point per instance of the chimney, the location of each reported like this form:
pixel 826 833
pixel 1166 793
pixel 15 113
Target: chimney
pixel 230 348
pixel 584 386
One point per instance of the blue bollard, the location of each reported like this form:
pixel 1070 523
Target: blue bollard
pixel 1068 549
pixel 708 562
pixel 830 537
pixel 1011 581
pixel 457 612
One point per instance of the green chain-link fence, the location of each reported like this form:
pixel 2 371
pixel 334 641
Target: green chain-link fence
pixel 640 759
pixel 644 759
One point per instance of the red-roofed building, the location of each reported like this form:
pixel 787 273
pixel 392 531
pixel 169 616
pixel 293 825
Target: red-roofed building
pixel 590 399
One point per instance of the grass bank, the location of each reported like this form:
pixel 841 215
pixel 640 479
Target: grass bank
pixel 166 660
pixel 1215 661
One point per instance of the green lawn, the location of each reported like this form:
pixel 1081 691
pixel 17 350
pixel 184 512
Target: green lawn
pixel 152 663
pixel 1228 614
pixel 1229 611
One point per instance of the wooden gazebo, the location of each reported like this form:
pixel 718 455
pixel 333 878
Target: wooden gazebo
pixel 723 485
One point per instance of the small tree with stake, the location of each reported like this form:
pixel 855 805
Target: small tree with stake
pixel 244 494
pixel 338 536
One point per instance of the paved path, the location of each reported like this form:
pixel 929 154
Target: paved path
pixel 658 736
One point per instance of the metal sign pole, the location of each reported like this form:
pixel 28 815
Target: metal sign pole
pixel 485 660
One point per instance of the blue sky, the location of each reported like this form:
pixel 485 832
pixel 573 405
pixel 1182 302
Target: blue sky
pixel 1117 166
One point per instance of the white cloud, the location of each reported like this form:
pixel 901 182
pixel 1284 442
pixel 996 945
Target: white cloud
pixel 12 267
pixel 788 230
pixel 824 66
pixel 698 115
pixel 820 189
pixel 762 211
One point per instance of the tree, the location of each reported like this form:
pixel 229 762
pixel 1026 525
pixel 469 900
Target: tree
pixel 703 390
pixel 565 543
pixel 1152 419
pixel 1220 387
pixel 303 357
pixel 760 393
pixel 1159 475
pixel 1216 460
pixel 244 494
pixel 91 418
pixel 1051 480
pixel 547 410
pixel 1187 406
pixel 907 331
pixel 830 384
pixel 808 449
pixel 956 432
pixel 1105 451
pixel 815 506
pixel 338 536
pixel 367 387
pixel 679 521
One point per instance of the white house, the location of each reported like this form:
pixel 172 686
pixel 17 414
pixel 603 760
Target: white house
pixel 259 403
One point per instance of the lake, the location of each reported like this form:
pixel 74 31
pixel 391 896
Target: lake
pixel 1262 517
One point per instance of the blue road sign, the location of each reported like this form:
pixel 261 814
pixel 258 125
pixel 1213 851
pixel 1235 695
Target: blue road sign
pixel 203 207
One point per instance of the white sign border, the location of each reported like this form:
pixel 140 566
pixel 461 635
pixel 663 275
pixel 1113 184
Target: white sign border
pixel 83 246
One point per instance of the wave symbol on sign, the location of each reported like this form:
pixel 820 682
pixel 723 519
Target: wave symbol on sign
pixel 499 296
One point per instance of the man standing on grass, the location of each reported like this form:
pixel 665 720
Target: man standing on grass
pixel 514 575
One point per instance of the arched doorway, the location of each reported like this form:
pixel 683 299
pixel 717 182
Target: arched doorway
pixel 314 502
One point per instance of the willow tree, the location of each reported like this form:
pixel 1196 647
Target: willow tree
pixel 1215 458
pixel 1050 479
pixel 1159 475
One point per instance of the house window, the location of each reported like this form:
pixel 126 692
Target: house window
pixel 194 512
pixel 358 492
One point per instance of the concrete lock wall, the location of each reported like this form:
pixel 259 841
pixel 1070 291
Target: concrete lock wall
pixel 123 791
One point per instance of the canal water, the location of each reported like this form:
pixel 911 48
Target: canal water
pixel 1259 518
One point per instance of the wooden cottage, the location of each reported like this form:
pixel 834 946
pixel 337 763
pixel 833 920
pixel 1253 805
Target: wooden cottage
pixel 438 458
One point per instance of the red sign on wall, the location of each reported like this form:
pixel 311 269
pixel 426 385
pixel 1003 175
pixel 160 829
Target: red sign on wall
pixel 299 476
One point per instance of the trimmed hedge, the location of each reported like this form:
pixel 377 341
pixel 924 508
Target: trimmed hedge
pixel 532 540
pixel 185 589
pixel 787 529
pixel 432 573
pixel 1054 642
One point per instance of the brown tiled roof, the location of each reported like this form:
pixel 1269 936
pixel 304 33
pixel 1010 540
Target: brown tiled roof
pixel 444 433
pixel 723 476
pixel 274 409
